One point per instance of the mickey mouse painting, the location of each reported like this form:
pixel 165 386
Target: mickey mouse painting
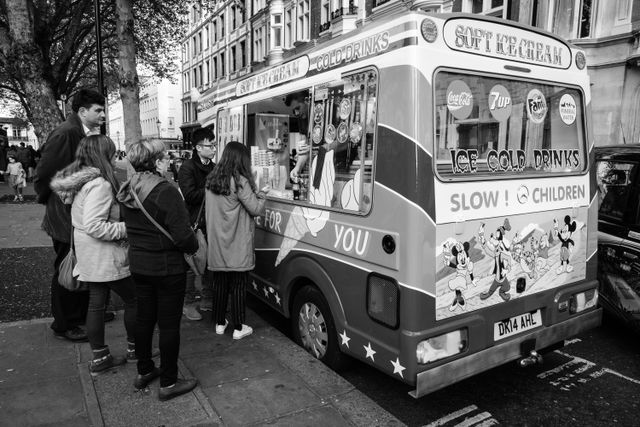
pixel 564 235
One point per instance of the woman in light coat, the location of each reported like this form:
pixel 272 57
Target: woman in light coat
pixel 100 240
pixel 231 204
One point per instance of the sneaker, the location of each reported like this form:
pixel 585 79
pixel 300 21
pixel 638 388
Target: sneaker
pixel 15 198
pixel 74 335
pixel 106 362
pixel 142 381
pixel 191 313
pixel 180 387
pixel 206 305
pixel 20 198
pixel 245 331
pixel 221 328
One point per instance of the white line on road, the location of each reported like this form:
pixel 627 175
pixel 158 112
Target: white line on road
pixel 473 420
pixel 452 416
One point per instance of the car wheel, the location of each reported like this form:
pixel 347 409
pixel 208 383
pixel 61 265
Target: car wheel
pixel 313 327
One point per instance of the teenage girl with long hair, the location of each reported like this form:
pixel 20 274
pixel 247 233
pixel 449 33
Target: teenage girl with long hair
pixel 100 239
pixel 231 204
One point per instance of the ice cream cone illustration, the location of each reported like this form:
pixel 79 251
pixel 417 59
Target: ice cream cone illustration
pixel 304 220
pixel 296 228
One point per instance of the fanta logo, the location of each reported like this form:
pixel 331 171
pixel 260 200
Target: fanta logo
pixel 536 106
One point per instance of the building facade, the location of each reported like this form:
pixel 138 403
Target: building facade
pixel 160 112
pixel 237 37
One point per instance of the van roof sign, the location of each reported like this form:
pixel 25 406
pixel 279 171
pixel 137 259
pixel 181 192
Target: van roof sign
pixel 506 42
pixel 273 76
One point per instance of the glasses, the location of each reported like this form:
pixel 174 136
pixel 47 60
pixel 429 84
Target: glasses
pixel 207 145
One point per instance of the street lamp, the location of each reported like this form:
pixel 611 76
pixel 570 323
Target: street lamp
pixel 158 124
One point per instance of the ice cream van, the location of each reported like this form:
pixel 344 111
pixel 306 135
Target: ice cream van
pixel 433 210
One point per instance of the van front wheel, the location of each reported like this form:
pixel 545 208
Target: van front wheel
pixel 313 327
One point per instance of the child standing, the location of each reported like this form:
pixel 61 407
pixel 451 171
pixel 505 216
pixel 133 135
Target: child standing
pixel 17 177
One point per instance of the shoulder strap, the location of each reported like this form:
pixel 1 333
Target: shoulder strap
pixel 197 223
pixel 153 221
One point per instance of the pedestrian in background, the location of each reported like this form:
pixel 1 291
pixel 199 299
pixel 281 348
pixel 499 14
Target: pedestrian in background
pixel 16 177
pixel 231 204
pixel 192 177
pixel 157 263
pixel 90 185
pixel 69 309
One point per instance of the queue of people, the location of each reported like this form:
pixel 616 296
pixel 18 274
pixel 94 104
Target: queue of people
pixel 131 239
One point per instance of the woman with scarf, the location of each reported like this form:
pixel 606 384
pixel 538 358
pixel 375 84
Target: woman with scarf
pixel 159 233
pixel 100 240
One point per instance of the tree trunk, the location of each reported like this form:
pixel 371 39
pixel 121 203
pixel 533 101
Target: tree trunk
pixel 129 82
pixel 25 60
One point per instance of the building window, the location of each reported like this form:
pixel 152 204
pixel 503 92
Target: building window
pixel 206 37
pixel 215 68
pixel 170 123
pixel 258 44
pixel 208 73
pixel 485 7
pixel 194 50
pixel 222 26
pixel 222 67
pixel 233 18
pixel 586 17
pixel 623 10
pixel 243 54
pixel 232 60
pixel 215 31
pixel 195 77
pixel 325 13
pixel 276 31
pixel 288 28
pixel 200 74
pixel 303 20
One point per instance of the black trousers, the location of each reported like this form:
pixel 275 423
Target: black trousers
pixel 98 300
pixel 159 300
pixel 234 282
pixel 69 309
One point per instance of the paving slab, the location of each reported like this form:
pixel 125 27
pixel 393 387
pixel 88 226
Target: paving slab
pixel 238 361
pixel 319 416
pixel 55 402
pixel 255 399
pixel 362 411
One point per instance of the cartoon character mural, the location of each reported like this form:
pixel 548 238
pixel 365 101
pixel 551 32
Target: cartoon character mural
pixel 498 247
pixel 564 235
pixel 456 255
pixel 533 261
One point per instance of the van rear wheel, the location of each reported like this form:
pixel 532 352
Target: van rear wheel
pixel 313 327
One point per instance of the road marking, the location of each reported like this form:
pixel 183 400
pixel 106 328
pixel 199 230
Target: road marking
pixel 577 371
pixel 483 419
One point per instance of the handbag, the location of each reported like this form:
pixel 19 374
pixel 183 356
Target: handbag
pixel 198 260
pixel 66 278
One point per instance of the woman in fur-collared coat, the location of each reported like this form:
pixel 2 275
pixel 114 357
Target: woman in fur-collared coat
pixel 100 240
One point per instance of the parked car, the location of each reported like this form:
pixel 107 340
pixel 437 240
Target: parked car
pixel 618 176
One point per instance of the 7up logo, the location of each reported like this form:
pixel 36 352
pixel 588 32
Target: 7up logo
pixel 500 103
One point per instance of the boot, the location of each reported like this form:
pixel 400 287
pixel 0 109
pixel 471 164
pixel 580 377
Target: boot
pixel 103 360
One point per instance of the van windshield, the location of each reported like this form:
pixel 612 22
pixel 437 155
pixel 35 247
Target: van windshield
pixel 489 126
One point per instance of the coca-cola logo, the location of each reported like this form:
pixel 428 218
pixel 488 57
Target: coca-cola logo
pixel 459 99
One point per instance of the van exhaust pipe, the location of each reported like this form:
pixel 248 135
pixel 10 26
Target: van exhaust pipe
pixel 533 358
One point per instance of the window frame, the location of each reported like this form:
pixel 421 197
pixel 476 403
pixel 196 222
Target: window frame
pixel 470 177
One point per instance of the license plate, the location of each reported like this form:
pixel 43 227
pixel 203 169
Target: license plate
pixel 516 325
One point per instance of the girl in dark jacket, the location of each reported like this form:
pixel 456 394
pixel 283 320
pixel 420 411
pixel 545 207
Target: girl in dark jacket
pixel 231 204
pixel 157 263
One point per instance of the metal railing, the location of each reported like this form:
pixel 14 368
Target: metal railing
pixel 351 10
pixel 325 26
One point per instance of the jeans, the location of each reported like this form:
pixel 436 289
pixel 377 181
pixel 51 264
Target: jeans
pixel 160 300
pixel 69 309
pixel 98 296
pixel 195 283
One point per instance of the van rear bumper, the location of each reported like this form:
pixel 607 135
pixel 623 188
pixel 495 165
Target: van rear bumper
pixel 457 370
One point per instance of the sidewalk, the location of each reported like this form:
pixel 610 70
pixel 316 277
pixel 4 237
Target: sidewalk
pixel 262 379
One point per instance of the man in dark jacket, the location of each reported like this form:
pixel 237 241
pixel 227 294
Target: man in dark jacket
pixel 192 177
pixel 69 309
